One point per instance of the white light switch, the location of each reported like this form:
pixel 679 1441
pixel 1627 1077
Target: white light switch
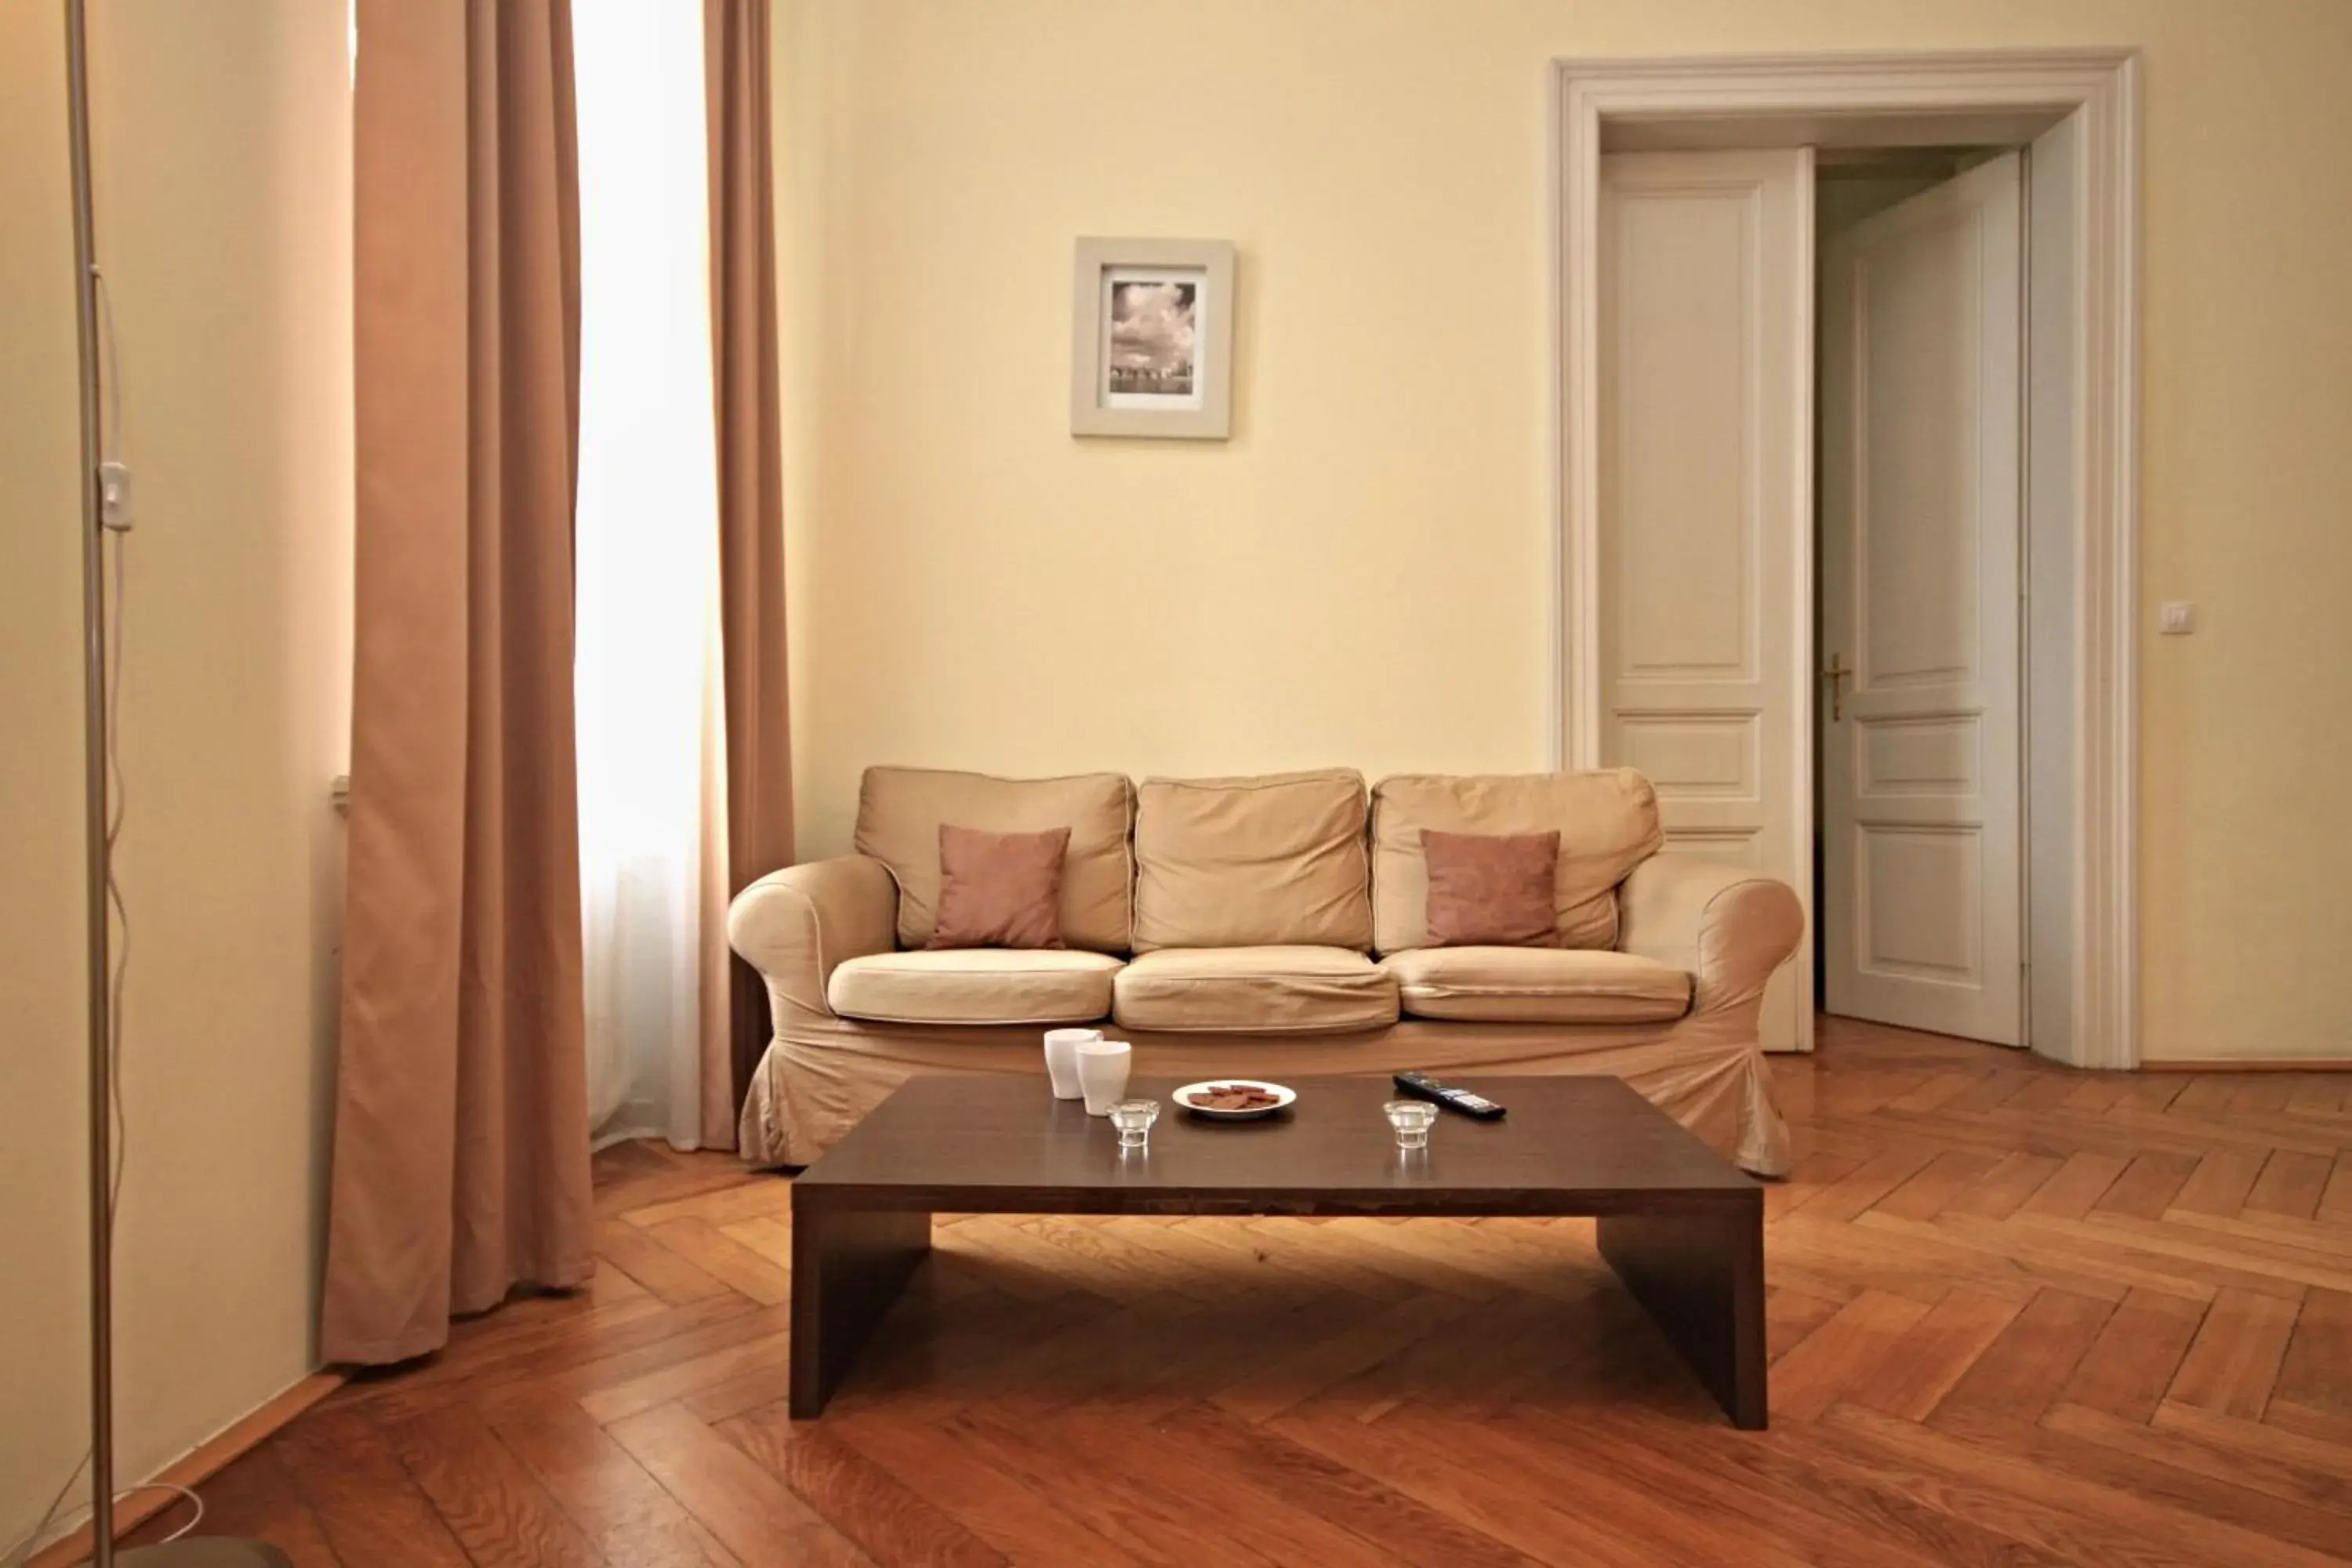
pixel 2176 618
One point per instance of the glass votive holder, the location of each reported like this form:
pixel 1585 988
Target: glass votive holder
pixel 1411 1119
pixel 1133 1117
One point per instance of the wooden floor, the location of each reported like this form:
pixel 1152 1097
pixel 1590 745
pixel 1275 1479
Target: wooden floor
pixel 2018 1316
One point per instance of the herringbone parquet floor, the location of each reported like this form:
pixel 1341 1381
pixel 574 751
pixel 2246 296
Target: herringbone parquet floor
pixel 2018 1316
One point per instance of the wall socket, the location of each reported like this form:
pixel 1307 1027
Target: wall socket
pixel 2176 618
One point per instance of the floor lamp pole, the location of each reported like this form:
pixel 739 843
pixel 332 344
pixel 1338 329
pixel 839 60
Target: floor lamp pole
pixel 93 623
pixel 195 1553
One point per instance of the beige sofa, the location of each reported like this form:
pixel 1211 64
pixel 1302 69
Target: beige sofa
pixel 1271 927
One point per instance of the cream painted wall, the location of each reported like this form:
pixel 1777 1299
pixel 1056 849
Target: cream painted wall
pixel 222 137
pixel 1360 575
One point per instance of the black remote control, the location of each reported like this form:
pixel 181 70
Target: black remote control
pixel 1421 1086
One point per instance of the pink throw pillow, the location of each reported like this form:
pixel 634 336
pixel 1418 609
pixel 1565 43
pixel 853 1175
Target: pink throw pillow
pixel 1000 889
pixel 1492 890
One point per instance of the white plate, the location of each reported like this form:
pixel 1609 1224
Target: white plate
pixel 1282 1097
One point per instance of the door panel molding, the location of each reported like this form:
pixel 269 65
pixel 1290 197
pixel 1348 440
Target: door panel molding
pixel 1700 754
pixel 1739 99
pixel 1707 275
pixel 1922 400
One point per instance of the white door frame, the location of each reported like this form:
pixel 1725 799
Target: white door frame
pixel 2100 90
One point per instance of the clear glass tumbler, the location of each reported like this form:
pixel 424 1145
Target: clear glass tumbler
pixel 1411 1119
pixel 1133 1117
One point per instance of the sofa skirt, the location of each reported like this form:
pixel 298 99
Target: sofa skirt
pixel 821 1076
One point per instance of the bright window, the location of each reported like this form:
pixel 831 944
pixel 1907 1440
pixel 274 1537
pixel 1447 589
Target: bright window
pixel 647 556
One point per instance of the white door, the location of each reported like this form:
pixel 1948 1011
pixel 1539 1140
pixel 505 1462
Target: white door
pixel 1919 701
pixel 1706 415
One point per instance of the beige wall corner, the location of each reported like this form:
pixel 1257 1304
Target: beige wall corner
pixel 223 151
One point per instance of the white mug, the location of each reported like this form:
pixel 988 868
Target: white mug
pixel 1102 1073
pixel 1062 1058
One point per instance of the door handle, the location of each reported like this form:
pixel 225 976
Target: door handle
pixel 1835 672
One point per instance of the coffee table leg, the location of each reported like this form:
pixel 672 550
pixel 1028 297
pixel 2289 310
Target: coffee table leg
pixel 1701 1278
pixel 848 1265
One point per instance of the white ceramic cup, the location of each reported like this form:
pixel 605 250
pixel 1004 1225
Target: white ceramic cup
pixel 1062 1060
pixel 1102 1073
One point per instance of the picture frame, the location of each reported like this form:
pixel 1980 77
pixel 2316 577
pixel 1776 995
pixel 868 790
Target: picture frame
pixel 1151 339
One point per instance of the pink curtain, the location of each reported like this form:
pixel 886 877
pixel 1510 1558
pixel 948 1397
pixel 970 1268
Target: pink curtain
pixel 461 1152
pixel 737 39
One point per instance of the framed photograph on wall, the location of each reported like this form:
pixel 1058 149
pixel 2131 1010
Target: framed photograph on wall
pixel 1152 339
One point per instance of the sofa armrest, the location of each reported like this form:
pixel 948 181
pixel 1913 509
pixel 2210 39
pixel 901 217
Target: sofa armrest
pixel 1728 927
pixel 794 925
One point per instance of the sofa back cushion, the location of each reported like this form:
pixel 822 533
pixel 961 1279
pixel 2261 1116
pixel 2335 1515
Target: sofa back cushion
pixel 1607 821
pixel 1250 862
pixel 901 810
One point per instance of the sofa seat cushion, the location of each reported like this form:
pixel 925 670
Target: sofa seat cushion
pixel 974 986
pixel 1253 991
pixel 1537 985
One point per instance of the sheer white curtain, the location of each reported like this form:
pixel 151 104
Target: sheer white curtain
pixel 648 660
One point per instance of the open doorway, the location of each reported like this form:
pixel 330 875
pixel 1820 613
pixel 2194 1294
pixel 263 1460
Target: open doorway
pixel 1926 869
pixel 1968 316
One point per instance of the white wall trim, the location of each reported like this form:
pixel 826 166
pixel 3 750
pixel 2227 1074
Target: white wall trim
pixel 1555 741
pixel 2100 87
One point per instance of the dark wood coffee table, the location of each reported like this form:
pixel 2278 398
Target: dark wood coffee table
pixel 1683 1228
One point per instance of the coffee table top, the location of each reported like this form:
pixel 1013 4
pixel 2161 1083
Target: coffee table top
pixel 1001 1144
